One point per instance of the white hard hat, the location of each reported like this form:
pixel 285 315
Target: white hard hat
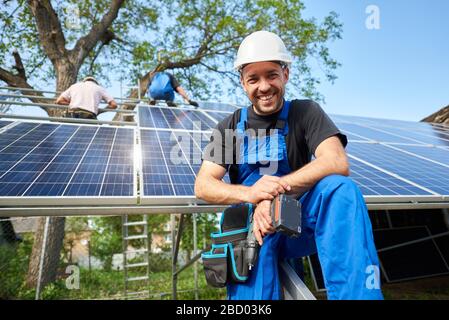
pixel 90 78
pixel 261 46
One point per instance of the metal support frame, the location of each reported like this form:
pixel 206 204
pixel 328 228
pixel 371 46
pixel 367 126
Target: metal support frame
pixel 51 92
pixel 294 288
pixel 175 251
pixel 68 120
pixel 41 259
pixel 18 211
pixel 195 252
pixel 54 106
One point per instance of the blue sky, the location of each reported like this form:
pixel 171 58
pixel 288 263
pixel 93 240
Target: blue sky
pixel 400 71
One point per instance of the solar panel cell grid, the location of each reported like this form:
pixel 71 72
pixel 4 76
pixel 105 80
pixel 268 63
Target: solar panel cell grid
pixel 156 179
pixel 27 167
pixel 417 135
pixel 54 180
pixel 365 132
pixel 436 154
pixel 419 171
pixel 172 118
pixel 375 182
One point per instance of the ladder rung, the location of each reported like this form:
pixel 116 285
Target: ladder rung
pixel 137 278
pixel 134 265
pixel 142 236
pixel 136 223
pixel 136 251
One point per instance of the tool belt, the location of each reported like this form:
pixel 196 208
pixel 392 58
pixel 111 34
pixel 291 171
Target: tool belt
pixel 227 260
pixel 80 114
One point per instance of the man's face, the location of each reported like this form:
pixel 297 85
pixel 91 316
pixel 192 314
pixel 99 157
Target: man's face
pixel 264 84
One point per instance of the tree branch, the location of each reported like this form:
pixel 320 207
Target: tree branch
pixel 49 28
pixel 19 65
pixel 99 32
pixel 20 80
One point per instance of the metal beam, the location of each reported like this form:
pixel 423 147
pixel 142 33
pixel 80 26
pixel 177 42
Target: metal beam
pixel 294 288
pixel 192 261
pixel 55 106
pixel 54 92
pixel 69 120
pixel 58 210
pixel 104 210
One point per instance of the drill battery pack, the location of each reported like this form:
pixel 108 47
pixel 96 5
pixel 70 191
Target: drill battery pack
pixel 286 215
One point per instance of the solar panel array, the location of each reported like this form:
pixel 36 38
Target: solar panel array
pixel 398 249
pixel 413 158
pixel 41 161
pixel 391 161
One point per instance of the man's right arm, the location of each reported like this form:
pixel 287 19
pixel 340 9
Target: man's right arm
pixel 64 98
pixel 210 187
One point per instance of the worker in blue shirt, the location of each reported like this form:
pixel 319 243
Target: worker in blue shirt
pixel 335 221
pixel 163 85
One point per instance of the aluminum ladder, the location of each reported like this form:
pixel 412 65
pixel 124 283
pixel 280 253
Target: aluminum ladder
pixel 139 255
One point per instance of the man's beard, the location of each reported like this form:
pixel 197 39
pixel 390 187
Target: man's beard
pixel 278 103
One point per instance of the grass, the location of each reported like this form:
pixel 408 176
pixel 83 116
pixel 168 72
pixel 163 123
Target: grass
pixel 101 284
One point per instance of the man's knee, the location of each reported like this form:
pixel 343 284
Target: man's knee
pixel 338 185
pixel 336 180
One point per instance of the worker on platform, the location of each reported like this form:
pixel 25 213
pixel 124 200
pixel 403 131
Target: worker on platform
pixel 163 85
pixel 335 221
pixel 83 99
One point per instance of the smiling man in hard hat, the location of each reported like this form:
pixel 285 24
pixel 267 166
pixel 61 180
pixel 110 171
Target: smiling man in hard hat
pixel 335 220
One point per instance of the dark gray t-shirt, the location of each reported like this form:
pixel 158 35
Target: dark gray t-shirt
pixel 308 126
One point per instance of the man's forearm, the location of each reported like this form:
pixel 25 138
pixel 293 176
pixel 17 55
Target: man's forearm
pixel 218 192
pixel 305 178
pixel 182 92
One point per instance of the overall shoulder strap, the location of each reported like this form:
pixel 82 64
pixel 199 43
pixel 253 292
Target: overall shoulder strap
pixel 282 121
pixel 241 125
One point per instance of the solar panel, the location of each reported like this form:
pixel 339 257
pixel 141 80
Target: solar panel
pixel 218 116
pixel 45 161
pixel 373 134
pixel 166 165
pixel 170 162
pixel 426 137
pixel 4 123
pixel 412 261
pixel 392 123
pixel 373 182
pixel 217 106
pixel 432 176
pixel 406 261
pixel 385 238
pixel 173 118
pixel 433 153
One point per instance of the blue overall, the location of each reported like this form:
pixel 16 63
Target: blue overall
pixel 335 224
pixel 161 87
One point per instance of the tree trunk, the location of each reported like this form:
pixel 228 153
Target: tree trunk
pixel 52 250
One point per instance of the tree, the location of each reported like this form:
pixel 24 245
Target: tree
pixel 206 223
pixel 204 52
pixel 21 23
pixel 197 38
pixel 106 239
